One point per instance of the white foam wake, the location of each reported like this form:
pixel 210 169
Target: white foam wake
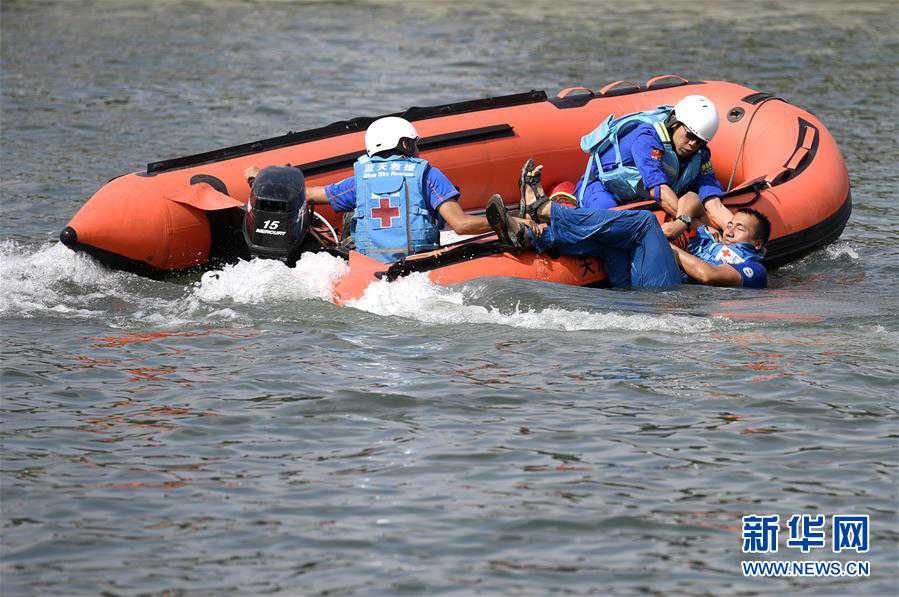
pixel 841 249
pixel 32 282
pixel 416 297
pixel 891 337
pixel 53 280
pixel 266 280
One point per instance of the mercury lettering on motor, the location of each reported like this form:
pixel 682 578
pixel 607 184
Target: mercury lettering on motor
pixel 270 227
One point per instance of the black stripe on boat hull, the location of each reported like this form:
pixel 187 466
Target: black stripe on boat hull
pixel 342 127
pixel 114 260
pixel 497 131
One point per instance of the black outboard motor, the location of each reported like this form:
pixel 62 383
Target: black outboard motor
pixel 277 217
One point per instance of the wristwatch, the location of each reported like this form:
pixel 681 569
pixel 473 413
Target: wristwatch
pixel 685 219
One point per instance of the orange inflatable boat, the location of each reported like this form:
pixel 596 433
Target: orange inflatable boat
pixel 186 212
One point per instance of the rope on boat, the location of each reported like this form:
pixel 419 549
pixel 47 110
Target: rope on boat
pixel 745 136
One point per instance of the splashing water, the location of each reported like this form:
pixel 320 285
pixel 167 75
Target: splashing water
pixel 32 282
pixel 55 280
pixel 264 280
pixel 416 297
pixel 841 249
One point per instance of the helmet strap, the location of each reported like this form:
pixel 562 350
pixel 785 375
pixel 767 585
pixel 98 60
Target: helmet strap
pixel 671 122
pixel 407 147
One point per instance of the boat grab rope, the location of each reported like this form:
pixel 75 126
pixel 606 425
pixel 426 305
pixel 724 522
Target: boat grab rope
pixel 745 136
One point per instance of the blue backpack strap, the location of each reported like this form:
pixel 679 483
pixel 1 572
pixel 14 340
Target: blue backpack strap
pixel 361 222
pixel 585 180
pixel 421 206
pixel 425 232
pixel 594 143
pixel 662 131
pixel 592 140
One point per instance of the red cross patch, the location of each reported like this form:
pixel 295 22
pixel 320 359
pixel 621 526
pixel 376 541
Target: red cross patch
pixel 384 212
pixel 656 153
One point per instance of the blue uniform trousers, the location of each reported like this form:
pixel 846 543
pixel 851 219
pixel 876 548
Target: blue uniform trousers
pixel 631 244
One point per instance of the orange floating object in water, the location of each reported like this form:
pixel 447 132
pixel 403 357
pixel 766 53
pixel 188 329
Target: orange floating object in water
pixel 769 154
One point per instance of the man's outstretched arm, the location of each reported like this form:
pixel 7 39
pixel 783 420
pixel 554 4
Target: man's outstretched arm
pixel 704 272
pixel 461 222
pixel 316 195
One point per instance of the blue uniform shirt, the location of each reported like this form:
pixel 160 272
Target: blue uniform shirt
pixel 642 148
pixel 436 188
pixel 742 257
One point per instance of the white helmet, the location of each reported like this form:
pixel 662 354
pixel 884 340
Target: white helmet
pixel 699 115
pixel 386 133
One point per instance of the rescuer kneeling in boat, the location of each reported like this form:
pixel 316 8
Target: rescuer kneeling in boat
pixel 399 201
pixel 660 154
pixel 634 247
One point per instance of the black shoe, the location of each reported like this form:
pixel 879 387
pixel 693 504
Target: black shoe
pixel 510 230
pixel 518 231
pixel 497 217
pixel 522 187
pixel 531 176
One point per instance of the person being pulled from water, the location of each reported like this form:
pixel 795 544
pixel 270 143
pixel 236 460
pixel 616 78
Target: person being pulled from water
pixel 659 154
pixel 634 247
pixel 399 201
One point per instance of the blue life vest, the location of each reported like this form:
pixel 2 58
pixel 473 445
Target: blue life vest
pixel 625 182
pixel 718 253
pixel 743 257
pixel 392 219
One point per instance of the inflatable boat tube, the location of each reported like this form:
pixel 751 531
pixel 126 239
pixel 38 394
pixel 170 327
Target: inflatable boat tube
pixel 185 212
